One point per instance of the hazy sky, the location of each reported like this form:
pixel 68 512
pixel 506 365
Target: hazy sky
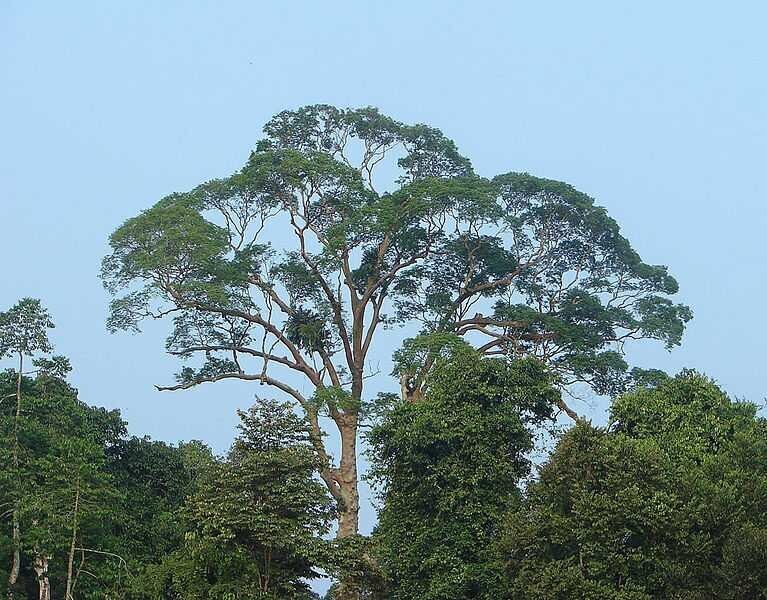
pixel 657 109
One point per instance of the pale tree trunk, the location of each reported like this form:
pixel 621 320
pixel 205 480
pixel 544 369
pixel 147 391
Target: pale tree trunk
pixel 348 522
pixel 13 576
pixel 265 578
pixel 44 584
pixel 71 558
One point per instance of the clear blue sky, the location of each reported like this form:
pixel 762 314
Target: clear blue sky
pixel 657 109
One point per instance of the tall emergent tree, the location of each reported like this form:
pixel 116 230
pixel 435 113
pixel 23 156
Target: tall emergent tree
pixel 344 221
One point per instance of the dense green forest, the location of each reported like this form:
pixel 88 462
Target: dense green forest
pixel 342 226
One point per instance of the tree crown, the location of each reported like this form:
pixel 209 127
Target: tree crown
pixel 343 220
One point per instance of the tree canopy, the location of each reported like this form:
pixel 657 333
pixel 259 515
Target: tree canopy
pixel 668 502
pixel 59 487
pixel 254 523
pixel 448 470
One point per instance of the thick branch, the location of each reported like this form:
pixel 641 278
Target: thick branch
pixel 271 328
pixel 289 310
pixel 376 319
pixel 265 379
pixel 335 303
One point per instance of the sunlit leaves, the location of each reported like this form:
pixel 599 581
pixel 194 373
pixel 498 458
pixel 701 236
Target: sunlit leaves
pixel 335 398
pixel 167 246
pixel 417 351
pixel 257 518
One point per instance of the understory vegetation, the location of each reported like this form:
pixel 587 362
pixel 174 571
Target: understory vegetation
pixel 667 501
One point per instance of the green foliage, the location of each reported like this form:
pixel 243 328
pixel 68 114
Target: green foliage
pixel 669 502
pixel 62 460
pixel 448 469
pixel 128 492
pixel 170 245
pixel 308 223
pixel 154 480
pixel 334 398
pixel 24 329
pixel 307 330
pixel 255 520
pixel 352 561
pixel 428 347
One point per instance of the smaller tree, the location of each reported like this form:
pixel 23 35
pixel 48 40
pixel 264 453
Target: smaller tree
pixel 669 502
pixel 66 509
pixel 24 334
pixel 257 519
pixel 448 470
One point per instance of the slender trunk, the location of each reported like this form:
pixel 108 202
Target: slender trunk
pixel 16 564
pixel 71 559
pixel 44 584
pixel 13 576
pixel 266 576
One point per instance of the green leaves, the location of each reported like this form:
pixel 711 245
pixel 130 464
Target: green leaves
pixel 24 329
pixel 270 426
pixel 174 252
pixel 447 469
pixel 56 366
pixel 168 245
pixel 335 398
pixel 661 319
pixel 60 475
pixel 651 507
pixel 417 351
pixel 323 128
pixel 308 223
pixel 256 519
pixel 154 478
pixel 307 330
pixel 689 412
